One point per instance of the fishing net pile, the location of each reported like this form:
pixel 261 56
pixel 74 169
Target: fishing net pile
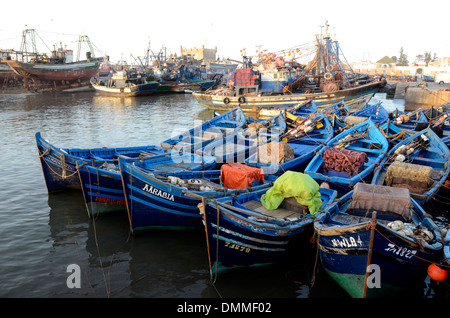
pixel 381 198
pixel 416 178
pixel 223 91
pixel 274 153
pixel 343 160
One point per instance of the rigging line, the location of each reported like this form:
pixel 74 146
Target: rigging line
pixel 85 271
pixel 8 39
pixel 108 293
pixel 98 249
pixel 317 256
pixel 59 33
pixel 43 41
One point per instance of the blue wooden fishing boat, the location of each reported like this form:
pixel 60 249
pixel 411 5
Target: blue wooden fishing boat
pixel 243 143
pixel 201 135
pixel 433 113
pixel 102 183
pixel 376 113
pixel 420 119
pixel 408 120
pixel 59 164
pixel 337 113
pixel 170 201
pixel 419 162
pixel 349 157
pixel 241 231
pixel 338 110
pixel 376 241
pixel 303 144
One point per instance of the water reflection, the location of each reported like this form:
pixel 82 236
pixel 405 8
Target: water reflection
pixel 168 264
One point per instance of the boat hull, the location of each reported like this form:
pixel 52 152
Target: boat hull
pixel 59 165
pixel 154 204
pixel 56 76
pixel 347 265
pixel 400 263
pixel 135 90
pixel 237 240
pixel 353 243
pixel 7 74
pixel 103 188
pixel 59 170
pixel 355 98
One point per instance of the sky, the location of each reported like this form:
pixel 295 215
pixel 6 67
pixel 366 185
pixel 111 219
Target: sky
pixel 125 29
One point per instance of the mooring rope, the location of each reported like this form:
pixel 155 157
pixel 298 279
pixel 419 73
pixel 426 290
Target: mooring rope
pixel 63 176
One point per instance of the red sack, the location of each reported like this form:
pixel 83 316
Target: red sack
pixel 239 176
pixel 343 160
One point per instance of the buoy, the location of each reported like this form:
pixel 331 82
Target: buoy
pixel 324 185
pixel 436 273
pixel 447 184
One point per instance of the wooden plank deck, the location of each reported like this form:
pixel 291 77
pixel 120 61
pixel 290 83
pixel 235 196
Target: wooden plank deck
pixel 279 213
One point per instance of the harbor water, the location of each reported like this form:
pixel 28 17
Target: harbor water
pixel 43 237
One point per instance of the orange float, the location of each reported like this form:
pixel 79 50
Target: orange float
pixel 436 273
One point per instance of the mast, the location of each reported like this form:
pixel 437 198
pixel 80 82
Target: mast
pixel 85 39
pixel 24 46
pixel 27 48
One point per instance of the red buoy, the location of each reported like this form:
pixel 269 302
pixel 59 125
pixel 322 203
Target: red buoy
pixel 436 273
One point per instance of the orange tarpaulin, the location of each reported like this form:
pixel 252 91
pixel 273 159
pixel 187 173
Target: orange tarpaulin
pixel 239 176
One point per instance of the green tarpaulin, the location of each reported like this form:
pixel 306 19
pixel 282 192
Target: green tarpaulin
pixel 294 184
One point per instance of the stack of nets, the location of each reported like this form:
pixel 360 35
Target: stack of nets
pixel 416 178
pixel 344 160
pixel 382 198
pixel 274 153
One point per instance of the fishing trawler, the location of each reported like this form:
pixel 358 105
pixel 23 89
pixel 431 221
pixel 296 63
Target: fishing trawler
pixel 327 79
pixel 54 72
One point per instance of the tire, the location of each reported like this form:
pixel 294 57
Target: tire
pixel 226 100
pixel 241 100
pixel 441 82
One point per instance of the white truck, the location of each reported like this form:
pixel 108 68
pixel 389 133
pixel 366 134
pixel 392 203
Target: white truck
pixel 442 78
